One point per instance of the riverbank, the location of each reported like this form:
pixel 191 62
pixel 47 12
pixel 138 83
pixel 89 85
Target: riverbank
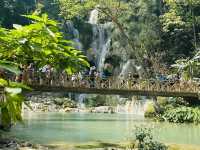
pixel 11 143
pixel 174 110
pixel 119 146
pixel 16 144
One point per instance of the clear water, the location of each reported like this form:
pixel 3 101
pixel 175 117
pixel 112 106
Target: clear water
pixel 50 128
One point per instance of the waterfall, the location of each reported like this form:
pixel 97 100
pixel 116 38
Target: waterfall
pixel 101 40
pixel 130 66
pixel 136 107
pixel 75 35
pixel 93 19
pixel 81 99
pixel 103 54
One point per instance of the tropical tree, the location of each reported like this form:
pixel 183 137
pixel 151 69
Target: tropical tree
pixel 189 67
pixel 42 43
pixel 180 28
pixel 11 10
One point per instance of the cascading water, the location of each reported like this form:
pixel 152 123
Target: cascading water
pixel 81 99
pixel 101 45
pixel 103 54
pixel 93 19
pixel 136 107
pixel 130 67
pixel 75 35
pixel 101 40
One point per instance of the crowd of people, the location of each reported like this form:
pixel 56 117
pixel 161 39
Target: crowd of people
pixel 49 75
pixel 90 77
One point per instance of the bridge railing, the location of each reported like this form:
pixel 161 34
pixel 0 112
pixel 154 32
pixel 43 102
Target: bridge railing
pixel 80 81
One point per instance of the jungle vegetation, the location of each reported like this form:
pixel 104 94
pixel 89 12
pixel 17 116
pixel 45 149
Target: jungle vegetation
pixel 164 31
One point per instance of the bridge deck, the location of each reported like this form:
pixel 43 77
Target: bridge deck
pixel 113 86
pixel 108 91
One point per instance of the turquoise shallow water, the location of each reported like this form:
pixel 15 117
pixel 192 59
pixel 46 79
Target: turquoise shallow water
pixel 49 128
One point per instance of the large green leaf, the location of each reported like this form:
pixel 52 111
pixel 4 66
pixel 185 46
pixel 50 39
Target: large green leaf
pixel 13 91
pixel 10 66
pixel 19 85
pixel 3 82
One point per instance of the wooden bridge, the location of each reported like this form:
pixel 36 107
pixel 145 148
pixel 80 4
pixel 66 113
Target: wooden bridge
pixel 113 91
pixel 116 86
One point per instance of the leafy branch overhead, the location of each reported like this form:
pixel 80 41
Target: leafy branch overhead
pixel 40 42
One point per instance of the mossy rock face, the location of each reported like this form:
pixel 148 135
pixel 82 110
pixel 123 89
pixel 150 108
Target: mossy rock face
pixel 150 110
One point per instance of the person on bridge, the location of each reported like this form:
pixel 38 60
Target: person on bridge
pixel 92 76
pixel 31 71
pixel 25 74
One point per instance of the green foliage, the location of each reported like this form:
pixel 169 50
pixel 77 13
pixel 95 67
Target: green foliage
pixel 10 66
pixel 188 68
pixel 150 110
pixel 182 114
pixel 145 140
pixel 11 109
pixel 41 43
pixel 162 101
pixel 11 11
pixel 180 28
pixel 11 98
pixel 75 8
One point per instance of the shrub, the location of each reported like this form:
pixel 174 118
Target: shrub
pixel 145 141
pixel 150 110
pixel 182 114
pixel 162 101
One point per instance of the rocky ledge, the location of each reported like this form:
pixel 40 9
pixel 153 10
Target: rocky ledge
pixel 14 144
pixel 49 103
